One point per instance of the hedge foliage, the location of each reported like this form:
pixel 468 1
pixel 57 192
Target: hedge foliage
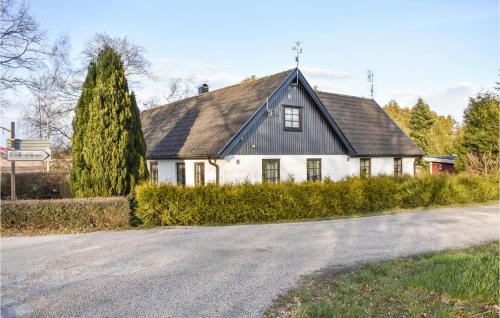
pixel 37 185
pixel 165 204
pixel 65 214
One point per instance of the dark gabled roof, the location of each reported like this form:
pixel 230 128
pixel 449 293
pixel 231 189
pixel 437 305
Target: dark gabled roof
pixel 200 126
pixel 203 125
pixel 367 127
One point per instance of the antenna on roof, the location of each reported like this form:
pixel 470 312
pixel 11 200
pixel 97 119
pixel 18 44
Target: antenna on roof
pixel 370 78
pixel 298 49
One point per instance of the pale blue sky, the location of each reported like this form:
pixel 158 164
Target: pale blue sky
pixel 443 51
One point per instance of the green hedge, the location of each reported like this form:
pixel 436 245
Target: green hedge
pixel 165 204
pixel 65 214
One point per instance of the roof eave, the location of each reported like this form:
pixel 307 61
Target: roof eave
pixel 182 157
pixel 391 155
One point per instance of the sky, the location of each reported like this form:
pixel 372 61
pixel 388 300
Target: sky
pixel 444 51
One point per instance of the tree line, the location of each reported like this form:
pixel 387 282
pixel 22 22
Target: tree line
pixel 49 80
pixel 475 141
pixel 108 147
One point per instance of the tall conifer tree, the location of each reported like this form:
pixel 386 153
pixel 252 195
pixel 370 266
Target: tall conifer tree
pixel 112 151
pixel 139 144
pixel 421 121
pixel 80 174
pixel 480 129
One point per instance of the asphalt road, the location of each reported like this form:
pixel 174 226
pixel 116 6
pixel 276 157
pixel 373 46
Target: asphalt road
pixel 222 271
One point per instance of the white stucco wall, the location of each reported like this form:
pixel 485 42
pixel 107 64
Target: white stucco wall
pixel 241 168
pixel 385 166
pixel 249 167
pixel 382 166
pixel 167 171
pixel 409 166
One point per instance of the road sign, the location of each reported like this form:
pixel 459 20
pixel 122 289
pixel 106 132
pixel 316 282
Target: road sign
pixel 22 155
pixel 28 144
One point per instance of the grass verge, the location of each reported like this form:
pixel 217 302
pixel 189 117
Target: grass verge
pixel 457 283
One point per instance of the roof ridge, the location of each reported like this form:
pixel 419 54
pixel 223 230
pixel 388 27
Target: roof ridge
pixel 220 89
pixel 352 96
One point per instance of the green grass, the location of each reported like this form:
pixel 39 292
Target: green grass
pixel 459 283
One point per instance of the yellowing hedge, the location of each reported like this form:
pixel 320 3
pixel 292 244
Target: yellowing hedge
pixel 65 214
pixel 165 204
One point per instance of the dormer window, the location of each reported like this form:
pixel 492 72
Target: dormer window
pixel 292 118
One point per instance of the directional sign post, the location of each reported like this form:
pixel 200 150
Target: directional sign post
pixel 23 150
pixel 22 155
pixel 12 164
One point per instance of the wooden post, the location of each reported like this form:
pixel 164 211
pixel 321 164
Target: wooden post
pixel 13 163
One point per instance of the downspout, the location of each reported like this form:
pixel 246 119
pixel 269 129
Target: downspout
pixel 216 169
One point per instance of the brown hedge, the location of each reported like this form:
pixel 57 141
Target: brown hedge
pixel 65 214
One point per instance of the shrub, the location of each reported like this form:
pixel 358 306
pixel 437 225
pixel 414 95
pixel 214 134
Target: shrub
pixel 445 189
pixel 37 185
pixel 165 204
pixel 65 214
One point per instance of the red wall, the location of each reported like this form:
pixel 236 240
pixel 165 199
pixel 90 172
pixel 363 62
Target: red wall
pixel 440 167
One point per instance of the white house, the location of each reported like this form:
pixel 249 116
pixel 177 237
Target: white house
pixel 271 129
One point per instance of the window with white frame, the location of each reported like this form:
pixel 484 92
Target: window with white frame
pixel 292 118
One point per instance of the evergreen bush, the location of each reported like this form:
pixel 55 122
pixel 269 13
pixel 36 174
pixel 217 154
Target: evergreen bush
pixel 166 204
pixel 108 144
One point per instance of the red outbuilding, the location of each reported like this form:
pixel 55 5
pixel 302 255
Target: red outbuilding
pixel 441 164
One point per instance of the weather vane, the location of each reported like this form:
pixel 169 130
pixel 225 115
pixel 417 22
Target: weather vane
pixel 370 78
pixel 298 49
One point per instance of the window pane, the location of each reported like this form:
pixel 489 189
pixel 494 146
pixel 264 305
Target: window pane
pixel 153 171
pixel 292 118
pixel 313 169
pixel 398 166
pixel 270 170
pixel 181 173
pixel 199 173
pixel 364 167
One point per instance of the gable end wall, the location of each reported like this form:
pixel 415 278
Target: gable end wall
pixel 265 135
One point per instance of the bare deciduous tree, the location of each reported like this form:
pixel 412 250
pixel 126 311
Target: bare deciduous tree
pixel 150 103
pixel 483 164
pixel 21 45
pixel 179 88
pixel 54 92
pixel 176 89
pixel 132 54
